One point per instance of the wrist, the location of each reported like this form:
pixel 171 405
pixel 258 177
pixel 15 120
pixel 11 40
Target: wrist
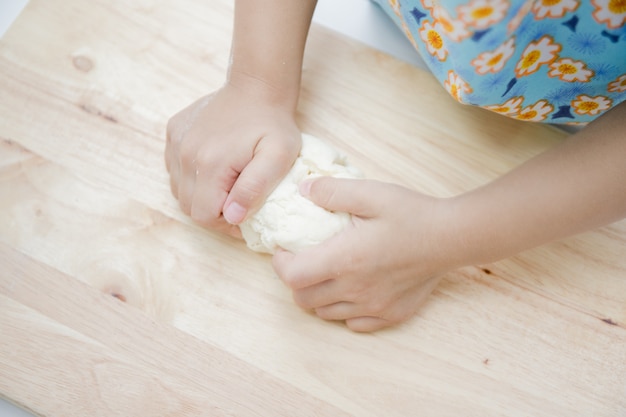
pixel 263 91
pixel 465 234
pixel 466 230
pixel 444 242
pixel 268 44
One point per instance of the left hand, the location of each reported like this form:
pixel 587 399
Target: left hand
pixel 381 268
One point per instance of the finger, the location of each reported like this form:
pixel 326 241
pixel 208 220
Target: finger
pixel 311 266
pixel 166 154
pixel 257 179
pixel 169 139
pixel 206 206
pixel 171 162
pixel 174 177
pixel 367 324
pixel 319 295
pixel 391 310
pixel 209 195
pixel 344 310
pixel 354 196
pixel 186 184
pixel 181 153
pixel 338 311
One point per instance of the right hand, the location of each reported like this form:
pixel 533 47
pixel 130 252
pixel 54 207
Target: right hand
pixel 381 268
pixel 226 152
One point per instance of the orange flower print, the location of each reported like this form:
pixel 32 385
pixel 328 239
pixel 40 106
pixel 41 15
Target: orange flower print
pixel 395 6
pixel 483 13
pixel 584 104
pixel 428 4
pixel 455 30
pixel 619 85
pixel 610 12
pixel 537 54
pixel 536 112
pixel 431 35
pixel 493 61
pixel 456 86
pixel 553 8
pixel 510 108
pixel 569 70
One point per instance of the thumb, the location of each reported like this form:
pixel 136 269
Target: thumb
pixel 355 196
pixel 255 182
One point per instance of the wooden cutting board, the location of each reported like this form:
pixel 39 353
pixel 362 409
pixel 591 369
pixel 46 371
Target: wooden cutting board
pixel 113 303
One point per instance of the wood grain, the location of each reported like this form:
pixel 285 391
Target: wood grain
pixel 100 357
pixel 206 328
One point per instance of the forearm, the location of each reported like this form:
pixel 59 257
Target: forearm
pixel 577 186
pixel 268 47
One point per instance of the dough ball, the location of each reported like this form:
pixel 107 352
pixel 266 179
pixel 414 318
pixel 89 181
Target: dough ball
pixel 287 219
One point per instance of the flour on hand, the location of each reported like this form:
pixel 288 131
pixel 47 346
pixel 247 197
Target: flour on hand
pixel 287 219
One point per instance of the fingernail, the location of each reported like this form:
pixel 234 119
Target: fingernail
pixel 234 213
pixel 305 187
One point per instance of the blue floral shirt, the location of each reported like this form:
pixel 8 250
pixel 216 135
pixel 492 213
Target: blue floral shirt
pixel 553 61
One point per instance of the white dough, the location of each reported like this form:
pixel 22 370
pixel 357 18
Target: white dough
pixel 287 219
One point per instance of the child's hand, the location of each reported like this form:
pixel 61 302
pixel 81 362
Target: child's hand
pixel 379 270
pixel 226 152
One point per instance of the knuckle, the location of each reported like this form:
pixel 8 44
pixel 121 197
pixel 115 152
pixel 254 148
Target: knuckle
pixel 290 280
pixel 377 307
pixel 374 304
pixel 173 131
pixel 324 314
pixel 204 157
pixel 358 293
pixel 354 295
pixel 284 156
pixel 170 130
pixel 187 152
